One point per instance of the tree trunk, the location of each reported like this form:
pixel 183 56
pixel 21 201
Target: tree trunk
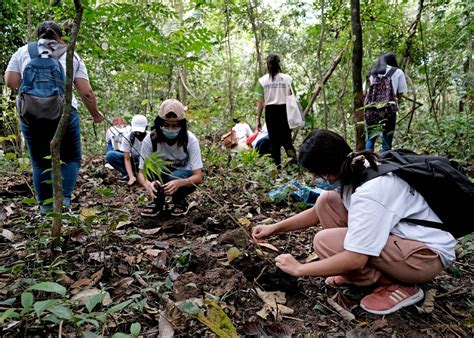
pixel 326 76
pixel 320 46
pixel 251 11
pixel 229 57
pixel 411 35
pixel 182 72
pixel 30 36
pixel 63 122
pixel 317 90
pixel 431 93
pixel 357 55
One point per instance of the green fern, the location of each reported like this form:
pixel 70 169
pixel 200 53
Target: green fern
pixel 154 166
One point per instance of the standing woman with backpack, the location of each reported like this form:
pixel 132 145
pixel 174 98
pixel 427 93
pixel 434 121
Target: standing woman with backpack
pixel 387 83
pixel 179 147
pixel 40 102
pixel 367 237
pixel 272 90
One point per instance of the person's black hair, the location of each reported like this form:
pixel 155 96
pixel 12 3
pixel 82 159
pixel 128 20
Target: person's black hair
pixel 324 152
pixel 49 30
pixel 158 136
pixel 384 60
pixel 273 65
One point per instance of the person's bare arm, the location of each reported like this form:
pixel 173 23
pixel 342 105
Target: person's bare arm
pixel 299 221
pixel 149 186
pixel 12 80
pixel 87 95
pixel 129 169
pixel 338 264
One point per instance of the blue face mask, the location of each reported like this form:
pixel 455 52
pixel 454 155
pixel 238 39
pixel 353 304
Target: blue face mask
pixel 170 134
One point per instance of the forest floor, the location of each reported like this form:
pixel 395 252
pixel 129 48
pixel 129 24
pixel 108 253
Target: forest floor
pixel 119 268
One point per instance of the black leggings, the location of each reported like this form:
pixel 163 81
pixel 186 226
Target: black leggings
pixel 279 132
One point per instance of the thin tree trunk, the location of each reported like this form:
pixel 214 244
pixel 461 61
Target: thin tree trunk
pixel 427 78
pixel 326 76
pixel 320 46
pixel 28 20
pixel 182 73
pixel 341 101
pixel 229 64
pixel 410 38
pixel 63 122
pixel 251 12
pixel 357 55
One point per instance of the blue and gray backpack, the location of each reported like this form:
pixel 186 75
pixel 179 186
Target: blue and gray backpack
pixel 41 94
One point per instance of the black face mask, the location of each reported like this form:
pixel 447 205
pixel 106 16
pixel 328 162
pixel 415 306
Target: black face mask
pixel 139 136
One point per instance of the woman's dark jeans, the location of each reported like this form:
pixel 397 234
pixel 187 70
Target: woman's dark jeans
pixel 38 136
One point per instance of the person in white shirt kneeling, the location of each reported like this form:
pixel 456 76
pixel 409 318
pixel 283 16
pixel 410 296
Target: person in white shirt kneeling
pixel 178 147
pixel 126 158
pixel 365 240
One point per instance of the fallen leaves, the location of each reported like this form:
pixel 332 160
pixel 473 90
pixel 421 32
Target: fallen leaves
pixel 268 246
pixel 232 254
pixel 84 295
pixel 347 315
pixel 311 258
pixel 88 281
pixel 429 302
pixel 273 303
pixel 7 234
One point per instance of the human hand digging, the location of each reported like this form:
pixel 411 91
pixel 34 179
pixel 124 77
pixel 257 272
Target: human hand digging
pixel 262 231
pixel 288 264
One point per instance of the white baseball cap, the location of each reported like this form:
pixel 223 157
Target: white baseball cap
pixel 139 123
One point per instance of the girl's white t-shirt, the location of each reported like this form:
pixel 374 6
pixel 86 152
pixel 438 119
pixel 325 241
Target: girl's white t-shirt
pixel 275 91
pixel 375 211
pixel 174 153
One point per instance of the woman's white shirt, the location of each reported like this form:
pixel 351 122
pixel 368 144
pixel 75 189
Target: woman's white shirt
pixel 174 153
pixel 375 211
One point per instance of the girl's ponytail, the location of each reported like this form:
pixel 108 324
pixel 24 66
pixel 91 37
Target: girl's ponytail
pixel 353 166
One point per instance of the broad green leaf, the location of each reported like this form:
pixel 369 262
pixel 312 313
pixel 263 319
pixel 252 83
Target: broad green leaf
pixel 135 329
pixel 105 192
pixel 27 299
pixel 10 313
pixel 190 308
pixel 88 334
pixel 28 201
pixel 121 335
pixel 52 318
pixel 43 305
pixel 10 156
pixel 217 320
pixel 470 249
pixel 8 302
pixel 119 306
pixel 467 238
pixel 49 287
pixel 92 301
pixel 320 308
pixel 61 311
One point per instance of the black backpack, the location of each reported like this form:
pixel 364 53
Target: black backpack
pixel 448 192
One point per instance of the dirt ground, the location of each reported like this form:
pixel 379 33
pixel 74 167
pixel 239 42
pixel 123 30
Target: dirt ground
pixel 109 246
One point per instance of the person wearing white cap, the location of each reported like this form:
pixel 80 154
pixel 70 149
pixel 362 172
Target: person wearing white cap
pixel 179 147
pixel 126 158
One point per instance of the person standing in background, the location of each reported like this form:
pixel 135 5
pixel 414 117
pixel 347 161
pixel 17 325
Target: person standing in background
pixel 272 90
pixel 383 76
pixel 39 132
